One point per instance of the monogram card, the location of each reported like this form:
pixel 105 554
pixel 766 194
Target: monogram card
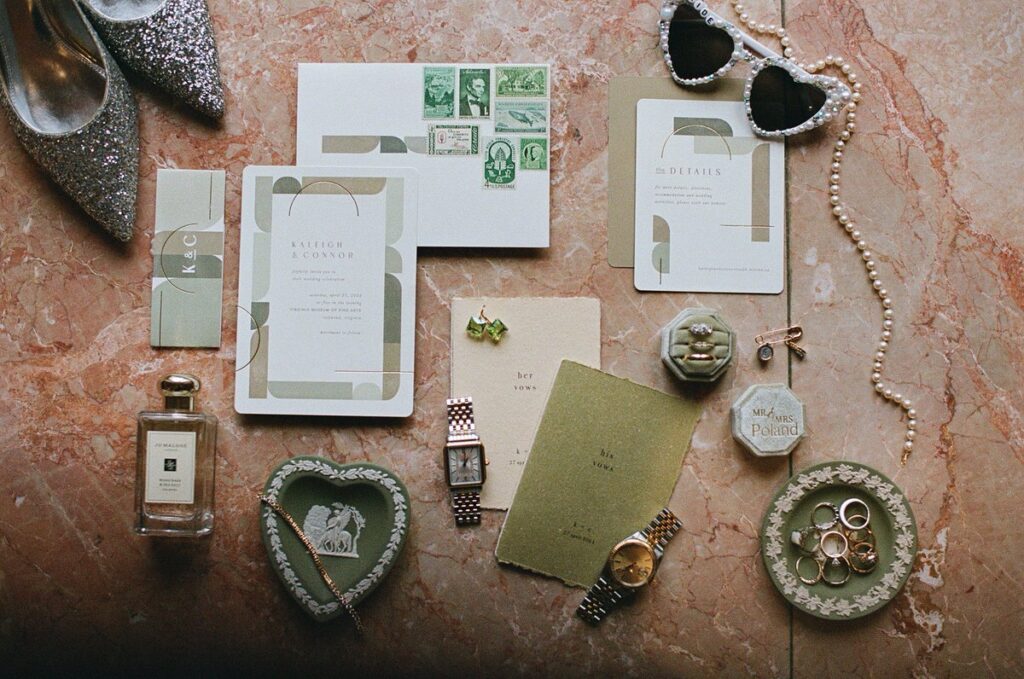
pixel 188 259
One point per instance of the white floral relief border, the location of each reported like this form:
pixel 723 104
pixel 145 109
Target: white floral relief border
pixel 905 540
pixel 398 527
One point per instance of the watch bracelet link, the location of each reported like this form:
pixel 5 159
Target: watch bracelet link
pixel 601 599
pixel 662 529
pixel 466 504
pixel 460 418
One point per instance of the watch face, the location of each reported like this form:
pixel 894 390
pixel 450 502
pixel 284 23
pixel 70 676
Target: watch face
pixel 632 563
pixel 465 465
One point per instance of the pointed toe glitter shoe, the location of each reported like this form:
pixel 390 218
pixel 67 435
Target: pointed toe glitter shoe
pixel 71 108
pixel 169 42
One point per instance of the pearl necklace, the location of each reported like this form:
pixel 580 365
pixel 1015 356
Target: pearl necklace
pixel 839 211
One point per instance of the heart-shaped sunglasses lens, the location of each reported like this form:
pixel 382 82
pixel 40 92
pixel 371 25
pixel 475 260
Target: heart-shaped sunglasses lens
pixel 697 49
pixel 777 102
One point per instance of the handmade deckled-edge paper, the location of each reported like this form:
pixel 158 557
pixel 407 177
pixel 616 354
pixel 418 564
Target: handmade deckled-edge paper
pixel 603 464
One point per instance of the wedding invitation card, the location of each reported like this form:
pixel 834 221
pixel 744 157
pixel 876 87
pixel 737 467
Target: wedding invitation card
pixel 478 134
pixel 510 381
pixel 327 291
pixel 603 464
pixel 710 200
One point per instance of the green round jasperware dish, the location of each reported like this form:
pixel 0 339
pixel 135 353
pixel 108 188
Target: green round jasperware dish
pixel 891 520
pixel 355 515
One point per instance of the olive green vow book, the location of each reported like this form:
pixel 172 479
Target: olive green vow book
pixel 603 464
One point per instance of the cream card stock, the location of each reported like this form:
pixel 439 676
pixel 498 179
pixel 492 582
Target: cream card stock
pixel 710 200
pixel 473 193
pixel 510 381
pixel 327 291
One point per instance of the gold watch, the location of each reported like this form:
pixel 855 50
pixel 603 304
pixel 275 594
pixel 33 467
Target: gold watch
pixel 631 566
pixel 464 462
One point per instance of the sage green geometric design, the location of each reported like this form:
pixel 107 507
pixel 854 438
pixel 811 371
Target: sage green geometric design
pixel 394 200
pixel 392 145
pixel 287 186
pixel 264 203
pixel 761 198
pixel 260 314
pixel 259 345
pixel 661 254
pixel 701 127
pixel 349 143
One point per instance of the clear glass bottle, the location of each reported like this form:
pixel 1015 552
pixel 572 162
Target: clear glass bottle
pixel 176 452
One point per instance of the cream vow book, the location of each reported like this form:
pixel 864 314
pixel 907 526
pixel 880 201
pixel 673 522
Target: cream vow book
pixel 510 381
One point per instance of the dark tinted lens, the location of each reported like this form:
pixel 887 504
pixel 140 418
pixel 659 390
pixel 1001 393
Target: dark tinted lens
pixel 697 50
pixel 777 102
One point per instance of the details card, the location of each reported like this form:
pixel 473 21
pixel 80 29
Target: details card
pixel 710 200
pixel 188 259
pixel 604 462
pixel 327 291
pixel 510 381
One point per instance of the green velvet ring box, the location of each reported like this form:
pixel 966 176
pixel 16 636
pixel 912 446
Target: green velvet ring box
pixel 697 346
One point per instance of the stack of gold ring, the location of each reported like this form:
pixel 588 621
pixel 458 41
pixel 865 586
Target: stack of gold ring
pixel 839 542
pixel 701 348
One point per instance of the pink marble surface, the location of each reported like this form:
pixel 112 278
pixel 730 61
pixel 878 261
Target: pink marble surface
pixel 933 179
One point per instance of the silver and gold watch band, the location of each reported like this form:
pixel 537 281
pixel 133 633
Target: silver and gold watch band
pixel 601 599
pixel 461 427
pixel 662 529
pixel 606 594
pixel 466 504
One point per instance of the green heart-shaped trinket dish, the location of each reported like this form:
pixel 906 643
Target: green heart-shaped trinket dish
pixel 355 515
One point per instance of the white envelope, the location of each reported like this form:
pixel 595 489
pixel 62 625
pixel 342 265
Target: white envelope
pixel 371 115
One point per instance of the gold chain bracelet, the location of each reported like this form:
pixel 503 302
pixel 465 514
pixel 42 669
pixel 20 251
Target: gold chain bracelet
pixel 280 511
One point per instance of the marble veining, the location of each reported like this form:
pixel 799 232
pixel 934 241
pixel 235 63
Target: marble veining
pixel 932 179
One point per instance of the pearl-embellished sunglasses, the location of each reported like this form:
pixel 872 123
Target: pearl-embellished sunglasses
pixel 781 98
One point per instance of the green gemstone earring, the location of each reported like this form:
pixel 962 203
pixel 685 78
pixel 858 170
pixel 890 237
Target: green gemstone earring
pixel 476 327
pixel 480 324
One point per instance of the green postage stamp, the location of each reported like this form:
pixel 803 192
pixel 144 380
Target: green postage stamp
pixel 453 140
pixel 439 92
pixel 500 164
pixel 533 153
pixel 517 117
pixel 521 81
pixel 474 93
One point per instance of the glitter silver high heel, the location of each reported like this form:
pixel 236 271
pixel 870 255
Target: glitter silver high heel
pixel 70 107
pixel 169 42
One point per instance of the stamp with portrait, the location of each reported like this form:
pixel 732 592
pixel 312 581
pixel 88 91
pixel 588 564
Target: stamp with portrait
pixel 474 93
pixel 533 153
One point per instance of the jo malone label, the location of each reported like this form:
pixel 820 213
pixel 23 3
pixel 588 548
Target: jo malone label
pixel 171 467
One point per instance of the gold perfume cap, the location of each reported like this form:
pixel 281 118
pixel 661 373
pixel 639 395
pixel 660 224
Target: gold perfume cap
pixel 179 390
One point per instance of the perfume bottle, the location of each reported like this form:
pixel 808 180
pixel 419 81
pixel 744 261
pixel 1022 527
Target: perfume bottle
pixel 176 452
